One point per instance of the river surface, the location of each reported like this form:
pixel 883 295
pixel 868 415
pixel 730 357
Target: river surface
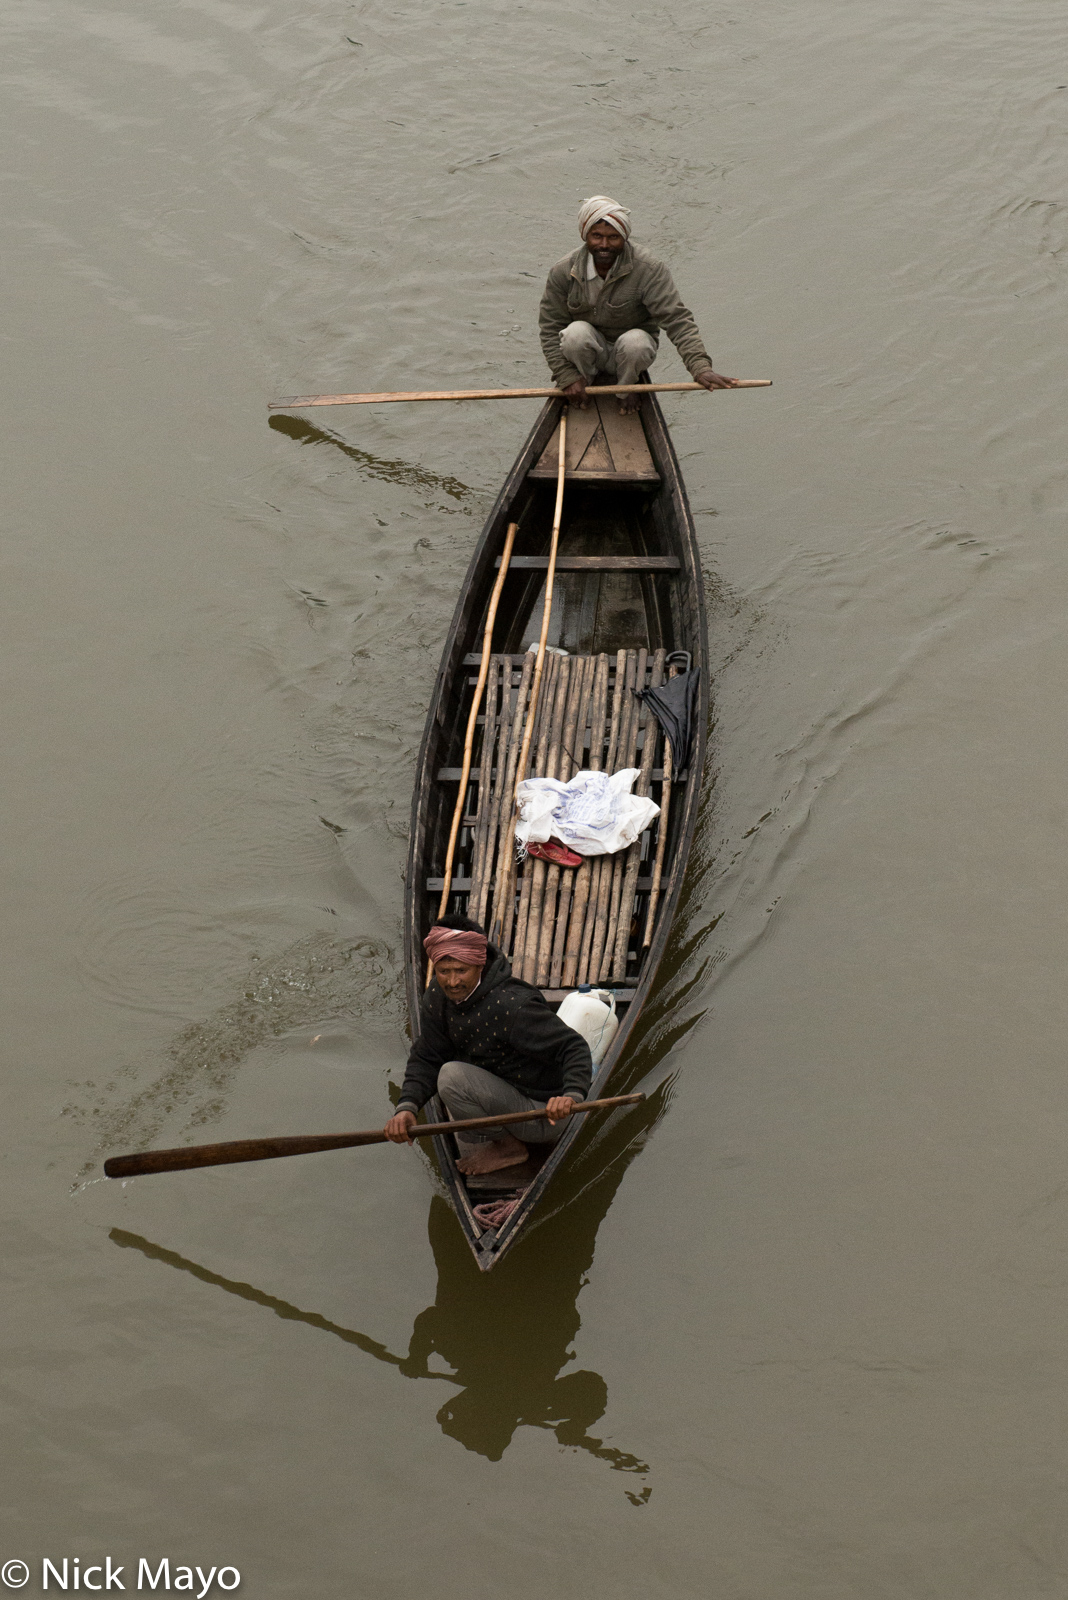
pixel 805 1338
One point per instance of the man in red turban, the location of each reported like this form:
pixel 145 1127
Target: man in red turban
pixel 489 1043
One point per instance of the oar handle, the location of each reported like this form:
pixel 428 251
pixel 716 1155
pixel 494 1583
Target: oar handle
pixel 297 401
pixel 221 1155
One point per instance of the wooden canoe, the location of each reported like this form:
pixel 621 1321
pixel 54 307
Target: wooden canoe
pixel 628 580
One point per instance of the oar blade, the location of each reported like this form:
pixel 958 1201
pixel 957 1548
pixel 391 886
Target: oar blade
pixel 185 1158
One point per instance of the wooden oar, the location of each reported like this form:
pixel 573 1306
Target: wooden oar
pixel 221 1155
pixel 297 401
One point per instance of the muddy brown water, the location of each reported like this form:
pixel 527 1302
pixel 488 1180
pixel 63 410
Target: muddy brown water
pixel 801 1333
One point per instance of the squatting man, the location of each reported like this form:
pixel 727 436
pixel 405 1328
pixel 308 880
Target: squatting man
pixel 489 1043
pixel 604 306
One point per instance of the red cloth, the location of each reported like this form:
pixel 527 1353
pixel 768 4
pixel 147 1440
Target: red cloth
pixel 470 948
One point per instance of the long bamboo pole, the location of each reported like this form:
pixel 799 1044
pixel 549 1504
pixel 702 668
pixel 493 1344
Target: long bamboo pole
pixel 550 578
pixel 598 715
pixel 472 721
pixel 532 877
pixel 622 704
pixel 511 737
pixel 546 881
pixel 572 757
pixel 584 875
pixel 630 882
pixel 661 835
pixel 546 876
pixel 597 927
pixel 508 845
pixel 299 401
pixel 558 879
pixel 481 841
pixel 625 757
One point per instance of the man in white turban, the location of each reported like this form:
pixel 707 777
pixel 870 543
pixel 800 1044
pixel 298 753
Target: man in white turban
pixel 605 304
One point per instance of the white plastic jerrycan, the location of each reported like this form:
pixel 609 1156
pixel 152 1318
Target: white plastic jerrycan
pixel 591 1012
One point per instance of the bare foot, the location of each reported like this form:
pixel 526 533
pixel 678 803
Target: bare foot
pixel 629 403
pixel 506 1152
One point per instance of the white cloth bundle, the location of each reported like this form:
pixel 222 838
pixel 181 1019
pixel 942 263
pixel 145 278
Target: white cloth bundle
pixel 594 814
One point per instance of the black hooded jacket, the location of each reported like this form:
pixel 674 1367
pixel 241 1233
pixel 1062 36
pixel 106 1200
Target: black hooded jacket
pixel 506 1026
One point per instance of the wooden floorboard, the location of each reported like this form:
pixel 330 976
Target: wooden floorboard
pixel 626 440
pixel 603 446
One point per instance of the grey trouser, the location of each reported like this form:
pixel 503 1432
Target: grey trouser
pixel 626 358
pixel 473 1092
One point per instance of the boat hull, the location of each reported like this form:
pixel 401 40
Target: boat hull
pixel 661 595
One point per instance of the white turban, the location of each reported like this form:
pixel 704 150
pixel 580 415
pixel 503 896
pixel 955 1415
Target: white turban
pixel 599 208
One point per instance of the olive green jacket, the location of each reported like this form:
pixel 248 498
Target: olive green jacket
pixel 639 292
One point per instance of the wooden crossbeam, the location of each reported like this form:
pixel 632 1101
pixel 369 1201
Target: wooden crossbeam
pixel 454 774
pixel 461 885
pixel 598 563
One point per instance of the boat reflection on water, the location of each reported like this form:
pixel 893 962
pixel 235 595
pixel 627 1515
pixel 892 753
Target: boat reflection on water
pixel 506 1336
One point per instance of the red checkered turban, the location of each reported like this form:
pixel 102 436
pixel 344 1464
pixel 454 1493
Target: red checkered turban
pixel 459 943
